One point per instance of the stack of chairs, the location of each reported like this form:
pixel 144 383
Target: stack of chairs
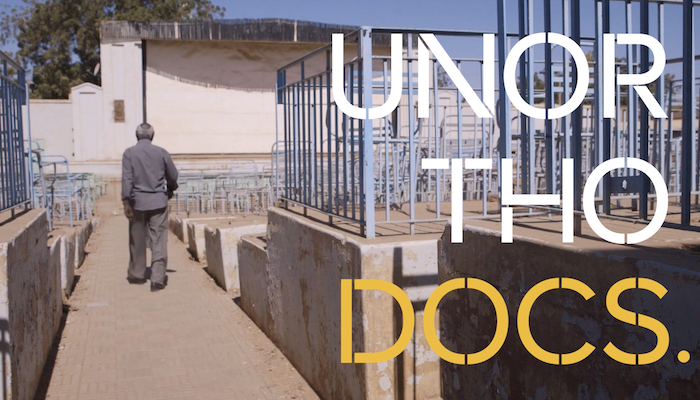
pixel 245 188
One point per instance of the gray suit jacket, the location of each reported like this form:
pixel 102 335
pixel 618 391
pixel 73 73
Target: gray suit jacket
pixel 148 176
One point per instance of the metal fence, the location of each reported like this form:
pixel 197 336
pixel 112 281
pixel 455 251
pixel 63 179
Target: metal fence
pixel 355 169
pixel 14 188
pixel 244 189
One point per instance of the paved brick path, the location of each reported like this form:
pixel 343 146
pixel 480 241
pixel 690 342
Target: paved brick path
pixel 189 341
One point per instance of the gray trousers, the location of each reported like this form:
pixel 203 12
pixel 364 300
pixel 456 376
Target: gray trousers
pixel 148 227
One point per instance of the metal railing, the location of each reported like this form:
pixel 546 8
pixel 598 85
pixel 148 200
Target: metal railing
pixel 357 169
pixel 245 188
pixel 14 187
pixel 324 160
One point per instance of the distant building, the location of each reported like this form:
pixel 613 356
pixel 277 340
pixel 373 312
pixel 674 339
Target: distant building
pixel 206 86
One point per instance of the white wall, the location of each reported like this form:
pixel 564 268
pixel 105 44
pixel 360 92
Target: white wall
pixel 88 129
pixel 121 80
pixel 51 125
pixel 215 97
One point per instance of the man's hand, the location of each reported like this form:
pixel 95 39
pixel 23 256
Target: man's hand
pixel 128 211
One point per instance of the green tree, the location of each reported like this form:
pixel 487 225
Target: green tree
pixel 60 39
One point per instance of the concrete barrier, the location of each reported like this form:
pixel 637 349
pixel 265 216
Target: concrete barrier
pixel 254 280
pixel 71 245
pixel 195 240
pixel 82 234
pixel 30 302
pixel 562 321
pixel 178 226
pixel 293 294
pixel 67 263
pixel 221 248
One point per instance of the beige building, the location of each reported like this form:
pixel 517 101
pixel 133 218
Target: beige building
pixel 208 88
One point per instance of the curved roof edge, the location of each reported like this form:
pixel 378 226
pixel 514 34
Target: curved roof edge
pixel 262 30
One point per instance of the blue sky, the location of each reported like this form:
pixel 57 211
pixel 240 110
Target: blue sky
pixel 467 15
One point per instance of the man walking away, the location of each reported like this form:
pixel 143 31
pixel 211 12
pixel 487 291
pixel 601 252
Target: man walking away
pixel 149 179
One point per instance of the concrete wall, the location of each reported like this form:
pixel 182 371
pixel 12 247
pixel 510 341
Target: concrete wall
pixel 562 320
pixel 72 252
pixel 30 302
pixel 195 240
pixel 224 90
pixel 178 228
pixel 254 278
pixel 294 296
pixel 67 263
pixel 82 235
pixel 122 79
pixel 52 125
pixel 88 122
pixel 221 248
pixel 221 89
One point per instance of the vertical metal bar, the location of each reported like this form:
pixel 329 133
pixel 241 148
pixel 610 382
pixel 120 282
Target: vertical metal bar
pixel 3 157
pixel 618 121
pixel 631 109
pixel 368 156
pixel 643 111
pixel 29 142
pixel 70 194
pixel 677 151
pixel 565 80
pixel 360 141
pixel 19 144
pixel 19 99
pixel 277 142
pixel 474 153
pixel 576 121
pixel 7 138
pixel 688 112
pixel 314 142
pixel 10 170
pixel 295 143
pixel 532 144
pixel 351 159
pixel 460 150
pixel 386 145
pixel 504 140
pixel 660 88
pixel 13 143
pixel 438 199
pixel 292 150
pixel 347 122
pixel 484 194
pixel 328 131
pixel 669 121
pixel 303 140
pixel 693 148
pixel 597 82
pixel 337 156
pixel 598 107
pixel 319 89
pixel 607 126
pixel 524 89
pixel 619 147
pixel 550 165
pixel 287 139
pixel 411 144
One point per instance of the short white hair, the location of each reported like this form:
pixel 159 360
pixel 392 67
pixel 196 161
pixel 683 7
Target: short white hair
pixel 145 131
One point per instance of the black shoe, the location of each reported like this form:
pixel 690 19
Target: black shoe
pixel 156 286
pixel 137 281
